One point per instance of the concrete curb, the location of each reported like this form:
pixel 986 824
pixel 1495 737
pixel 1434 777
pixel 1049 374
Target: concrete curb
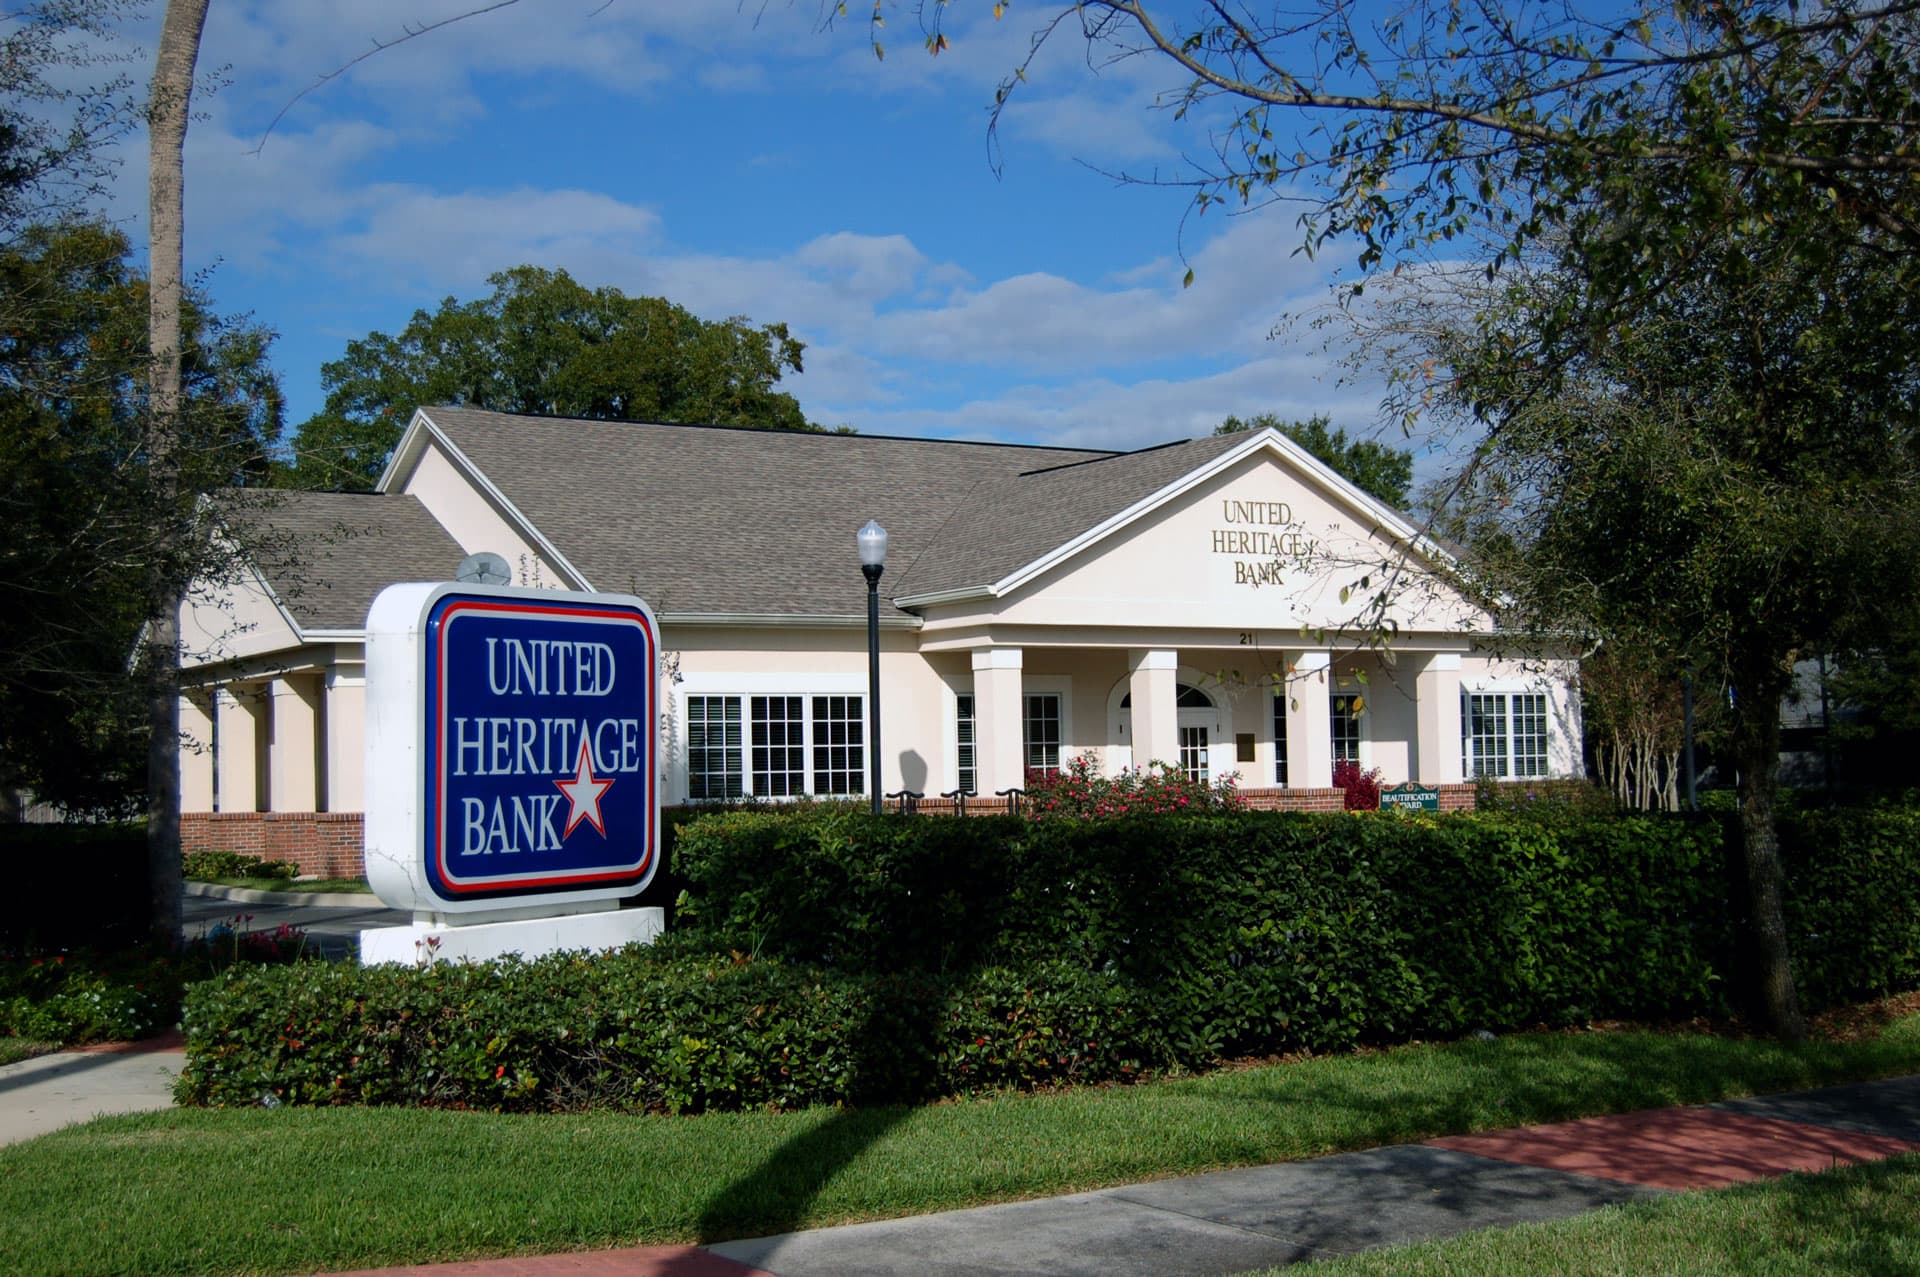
pixel 289 899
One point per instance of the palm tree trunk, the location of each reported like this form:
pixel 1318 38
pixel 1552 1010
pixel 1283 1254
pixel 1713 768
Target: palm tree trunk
pixel 167 108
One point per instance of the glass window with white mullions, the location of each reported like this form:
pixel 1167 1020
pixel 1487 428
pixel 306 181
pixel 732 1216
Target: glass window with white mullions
pixel 1483 719
pixel 713 748
pixel 963 749
pixel 1042 733
pixel 1530 734
pixel 779 746
pixel 839 749
pixel 1343 722
pixel 1193 753
pixel 1280 738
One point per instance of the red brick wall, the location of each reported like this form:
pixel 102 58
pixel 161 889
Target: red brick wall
pixel 329 844
pixel 326 844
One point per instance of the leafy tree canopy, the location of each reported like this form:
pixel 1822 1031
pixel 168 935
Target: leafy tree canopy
pixel 55 130
pixel 1692 364
pixel 1386 473
pixel 84 522
pixel 542 343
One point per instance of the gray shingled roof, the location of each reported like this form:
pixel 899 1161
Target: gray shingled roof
pixel 703 519
pixel 1012 523
pixel 326 554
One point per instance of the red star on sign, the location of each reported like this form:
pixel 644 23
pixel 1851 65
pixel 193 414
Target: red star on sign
pixel 584 792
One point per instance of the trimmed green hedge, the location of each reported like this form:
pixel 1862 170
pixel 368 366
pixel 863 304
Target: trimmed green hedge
pixel 1277 929
pixel 822 954
pixel 635 1031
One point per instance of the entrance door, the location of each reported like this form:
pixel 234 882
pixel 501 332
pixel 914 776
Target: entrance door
pixel 1201 729
pixel 1196 746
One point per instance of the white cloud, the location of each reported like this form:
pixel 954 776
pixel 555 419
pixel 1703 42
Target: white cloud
pixel 408 236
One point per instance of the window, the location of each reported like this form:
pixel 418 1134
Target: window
pixel 1343 719
pixel 779 747
pixel 963 744
pixel 1041 733
pixel 713 747
pixel 839 754
pixel 1193 753
pixel 1530 734
pixel 1280 738
pixel 1503 734
pixel 789 742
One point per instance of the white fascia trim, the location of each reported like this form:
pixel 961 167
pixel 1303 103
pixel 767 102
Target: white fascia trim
pixel 1268 439
pixel 405 451
pixel 791 621
pixel 944 596
pixel 519 521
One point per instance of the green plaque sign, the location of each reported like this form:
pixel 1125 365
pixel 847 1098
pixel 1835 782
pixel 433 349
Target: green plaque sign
pixel 1410 797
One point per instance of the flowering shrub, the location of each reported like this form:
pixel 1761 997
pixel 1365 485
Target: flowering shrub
pixel 71 998
pixel 1080 792
pixel 1362 788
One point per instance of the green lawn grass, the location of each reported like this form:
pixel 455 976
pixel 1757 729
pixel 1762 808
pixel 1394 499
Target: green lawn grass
pixel 14 1050
pixel 1860 1220
pixel 290 1190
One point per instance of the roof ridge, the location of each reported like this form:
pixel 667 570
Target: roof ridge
pixel 1100 454
pixel 1111 456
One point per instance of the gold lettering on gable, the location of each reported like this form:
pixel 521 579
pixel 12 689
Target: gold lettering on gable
pixel 1262 539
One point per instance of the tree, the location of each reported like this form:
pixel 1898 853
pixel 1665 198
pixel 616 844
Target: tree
pixel 77 495
pixel 542 343
pixel 54 133
pixel 1386 473
pixel 169 99
pixel 1684 167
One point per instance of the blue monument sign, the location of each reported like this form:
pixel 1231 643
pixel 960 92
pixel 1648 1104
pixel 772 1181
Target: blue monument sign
pixel 512 749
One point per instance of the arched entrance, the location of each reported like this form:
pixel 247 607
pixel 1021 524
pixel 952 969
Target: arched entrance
pixel 1205 732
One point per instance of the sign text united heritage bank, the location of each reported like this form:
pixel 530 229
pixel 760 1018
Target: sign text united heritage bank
pixel 1262 539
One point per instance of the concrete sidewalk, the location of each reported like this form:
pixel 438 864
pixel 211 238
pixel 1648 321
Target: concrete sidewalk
pixel 51 1091
pixel 1233 1221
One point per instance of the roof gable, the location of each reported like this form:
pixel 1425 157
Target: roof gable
pixel 1259 533
pixel 720 521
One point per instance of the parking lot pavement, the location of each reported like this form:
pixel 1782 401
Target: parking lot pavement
pixel 332 928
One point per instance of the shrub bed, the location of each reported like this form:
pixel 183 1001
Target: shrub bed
pixel 822 955
pixel 645 1031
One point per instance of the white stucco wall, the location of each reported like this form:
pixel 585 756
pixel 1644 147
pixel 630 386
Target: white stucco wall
pixel 474 522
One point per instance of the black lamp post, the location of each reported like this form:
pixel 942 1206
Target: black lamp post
pixel 872 540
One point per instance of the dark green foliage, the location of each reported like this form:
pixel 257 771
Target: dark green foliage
pixel 209 865
pixel 644 1031
pixel 1853 908
pixel 826 955
pixel 1374 468
pixel 44 906
pixel 544 344
pixel 87 527
pixel 88 996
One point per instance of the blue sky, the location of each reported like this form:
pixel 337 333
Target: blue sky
pixel 741 160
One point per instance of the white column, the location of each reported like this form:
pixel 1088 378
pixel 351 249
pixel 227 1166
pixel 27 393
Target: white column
pixel 1309 722
pixel 346 734
pixel 196 752
pixel 999 713
pixel 293 760
pixel 238 709
pixel 1436 697
pixel 1156 711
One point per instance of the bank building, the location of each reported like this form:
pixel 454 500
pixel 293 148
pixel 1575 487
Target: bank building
pixel 1198 603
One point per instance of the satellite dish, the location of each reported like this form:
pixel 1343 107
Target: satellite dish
pixel 484 568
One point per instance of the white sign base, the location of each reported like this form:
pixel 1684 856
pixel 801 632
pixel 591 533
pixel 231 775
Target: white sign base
pixel 420 944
